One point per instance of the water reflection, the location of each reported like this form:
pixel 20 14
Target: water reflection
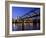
pixel 18 27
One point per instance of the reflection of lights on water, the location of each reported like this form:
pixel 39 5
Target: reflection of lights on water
pixel 15 27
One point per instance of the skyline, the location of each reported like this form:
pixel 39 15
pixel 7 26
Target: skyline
pixel 19 11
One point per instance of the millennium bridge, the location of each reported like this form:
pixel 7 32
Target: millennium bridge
pixel 28 21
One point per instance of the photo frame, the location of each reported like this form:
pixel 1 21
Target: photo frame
pixel 14 8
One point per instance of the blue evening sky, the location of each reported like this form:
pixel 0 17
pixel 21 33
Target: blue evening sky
pixel 19 11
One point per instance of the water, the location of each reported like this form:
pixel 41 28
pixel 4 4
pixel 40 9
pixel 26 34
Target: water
pixel 26 27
